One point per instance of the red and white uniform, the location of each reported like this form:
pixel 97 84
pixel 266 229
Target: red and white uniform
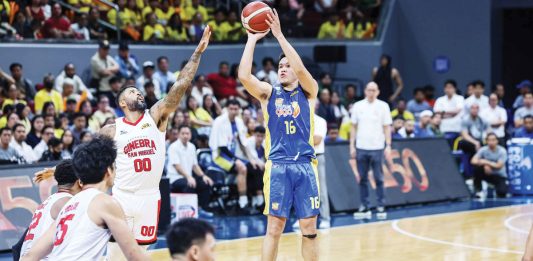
pixel 139 166
pixel 77 237
pixel 41 221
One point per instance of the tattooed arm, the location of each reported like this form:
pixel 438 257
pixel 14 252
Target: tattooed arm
pixel 163 108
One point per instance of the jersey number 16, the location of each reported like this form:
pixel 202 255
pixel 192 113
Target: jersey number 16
pixel 289 127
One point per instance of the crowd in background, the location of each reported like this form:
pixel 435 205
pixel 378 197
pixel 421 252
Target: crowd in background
pixel 180 20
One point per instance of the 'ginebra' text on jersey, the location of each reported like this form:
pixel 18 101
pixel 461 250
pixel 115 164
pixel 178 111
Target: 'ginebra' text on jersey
pixel 147 145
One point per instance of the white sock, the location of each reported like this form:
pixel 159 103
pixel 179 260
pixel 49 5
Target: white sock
pixel 260 200
pixel 243 201
pixel 254 201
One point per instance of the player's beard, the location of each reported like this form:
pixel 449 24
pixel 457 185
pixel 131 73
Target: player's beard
pixel 137 106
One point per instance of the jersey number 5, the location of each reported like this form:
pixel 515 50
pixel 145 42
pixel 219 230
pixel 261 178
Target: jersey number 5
pixel 142 165
pixel 62 228
pixel 289 127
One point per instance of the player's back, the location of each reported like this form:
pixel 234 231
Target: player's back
pixel 41 220
pixel 289 117
pixel 77 237
pixel 140 154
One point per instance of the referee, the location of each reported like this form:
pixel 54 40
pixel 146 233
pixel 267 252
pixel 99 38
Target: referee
pixel 370 140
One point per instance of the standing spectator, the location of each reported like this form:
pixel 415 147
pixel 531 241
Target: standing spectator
pixel 422 129
pixel 526 131
pixel 473 131
pixel 185 176
pixel 325 82
pixel 127 63
pixel 332 28
pixel 524 87
pixel 434 125
pixel 37 126
pixel 325 109
pixel 224 86
pixel 418 104
pixel 370 140
pixel 255 145
pixel 19 144
pixel 163 75
pixel 268 73
pixel 153 31
pixel 57 26
pixel 148 76
pixel 48 94
pixel 489 164
pixel 39 149
pixel 212 107
pixel 8 154
pixel 24 85
pixel 69 72
pixel 80 125
pixel 496 117
pixel 450 106
pixel 104 111
pixel 55 147
pixel 197 27
pixel 384 76
pixel 68 144
pixel 96 31
pixel 527 109
pixel 401 111
pixel 80 29
pixel 103 68
pixel 194 9
pixel 477 96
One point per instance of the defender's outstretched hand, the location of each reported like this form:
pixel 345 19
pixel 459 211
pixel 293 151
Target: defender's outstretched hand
pixel 205 40
pixel 273 22
pixel 257 36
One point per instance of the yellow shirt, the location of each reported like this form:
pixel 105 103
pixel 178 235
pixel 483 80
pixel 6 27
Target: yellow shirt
pixel 358 32
pixel 3 121
pixel 158 30
pixel 200 114
pixel 218 33
pixel 124 17
pixel 176 35
pixel 43 96
pixel 140 4
pixel 164 16
pixel 58 133
pixel 407 115
pixel 330 31
pixel 226 28
pixel 145 11
pixel 12 102
pixel 189 12
pixel 134 16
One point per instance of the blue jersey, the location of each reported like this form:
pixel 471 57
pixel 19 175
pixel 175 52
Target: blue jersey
pixel 289 130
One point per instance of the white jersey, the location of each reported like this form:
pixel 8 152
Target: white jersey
pixel 41 221
pixel 141 154
pixel 77 237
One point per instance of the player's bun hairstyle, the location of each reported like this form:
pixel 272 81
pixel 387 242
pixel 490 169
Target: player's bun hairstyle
pixel 187 232
pixel 92 159
pixel 64 173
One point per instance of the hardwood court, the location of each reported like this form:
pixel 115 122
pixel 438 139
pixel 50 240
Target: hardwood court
pixel 487 234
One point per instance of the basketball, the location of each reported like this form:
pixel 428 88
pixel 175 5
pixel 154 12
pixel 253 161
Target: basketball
pixel 254 16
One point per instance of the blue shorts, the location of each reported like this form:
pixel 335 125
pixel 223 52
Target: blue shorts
pixel 291 183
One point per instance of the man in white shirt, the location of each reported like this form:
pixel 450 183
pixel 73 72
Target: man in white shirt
pixel 523 111
pixel 495 116
pixel 182 162
pixel 477 97
pixel 42 146
pixel 103 67
pixel 69 72
pixel 268 73
pixel 19 144
pixel 370 140
pixel 163 75
pixel 450 106
pixel 254 177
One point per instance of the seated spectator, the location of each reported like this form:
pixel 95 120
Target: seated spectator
pixel 201 119
pixel 232 29
pixel 473 131
pixel 150 8
pixel 434 125
pixel 87 110
pixel 8 154
pixel 6 111
pixel 133 14
pixel 429 93
pixel 200 88
pixel 103 111
pixel 37 126
pixel 489 164
pixel 268 73
pixel 163 75
pixel 450 106
pixel 96 31
pixel 333 133
pixel 216 24
pixel 81 29
pixel 524 87
pixel 397 125
pixel 34 11
pixel 418 103
pixel 48 94
pixel 185 176
pixel 211 106
pixel 359 28
pixel 196 28
pixel 331 29
pixel 191 239
pixel 164 12
pixel 24 85
pixel 401 110
pixel 422 129
pixel 86 137
pixel 103 68
pixel 176 30
pixel 194 9
pixel 256 147
pixel 68 93
pixel 150 97
pixel 19 144
pixel 408 130
pixel 127 63
pixel 477 96
pixel 58 26
pixel 122 14
pixel 350 95
pixel 496 117
pixel 152 30
pixel 325 109
pixel 12 120
pixel 148 76
pixel 69 72
pixel 79 126
pixel 24 111
pixel 526 131
pixel 499 90
pixel 49 109
pixel 42 146
pixel 23 26
pixel 527 109
pixel 340 111
pixel 224 86
pixel 55 147
pixel 325 82
pixel 67 139
pixel 12 96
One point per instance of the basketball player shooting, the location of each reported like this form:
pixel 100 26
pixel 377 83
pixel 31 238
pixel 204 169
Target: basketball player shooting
pixel 140 141
pixel 291 177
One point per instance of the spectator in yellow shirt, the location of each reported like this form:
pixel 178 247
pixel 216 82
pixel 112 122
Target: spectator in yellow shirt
pixel 132 12
pixel 332 29
pixel 153 5
pixel 360 30
pixel 199 117
pixel 122 14
pixel 401 110
pixel 48 94
pixel 153 31
pixel 232 28
pixel 191 10
pixel 12 96
pixel 216 26
pixel 176 31
pixel 164 13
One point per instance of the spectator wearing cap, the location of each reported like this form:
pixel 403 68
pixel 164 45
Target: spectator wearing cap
pixel 163 74
pixel 69 72
pixel 422 128
pixel 477 96
pixel 524 87
pixel 526 131
pixel 48 94
pixel 24 85
pixel 496 117
pixel 57 26
pixel 103 67
pixel 523 111
pixel 418 104
pixel 127 63
pixel 148 76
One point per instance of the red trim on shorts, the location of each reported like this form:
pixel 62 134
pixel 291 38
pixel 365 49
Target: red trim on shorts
pixel 153 240
pixel 133 123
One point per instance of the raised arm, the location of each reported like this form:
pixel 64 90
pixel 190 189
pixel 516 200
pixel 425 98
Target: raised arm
pixel 305 78
pixel 260 90
pixel 163 108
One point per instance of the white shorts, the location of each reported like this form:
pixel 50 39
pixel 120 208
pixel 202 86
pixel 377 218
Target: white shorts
pixel 142 213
